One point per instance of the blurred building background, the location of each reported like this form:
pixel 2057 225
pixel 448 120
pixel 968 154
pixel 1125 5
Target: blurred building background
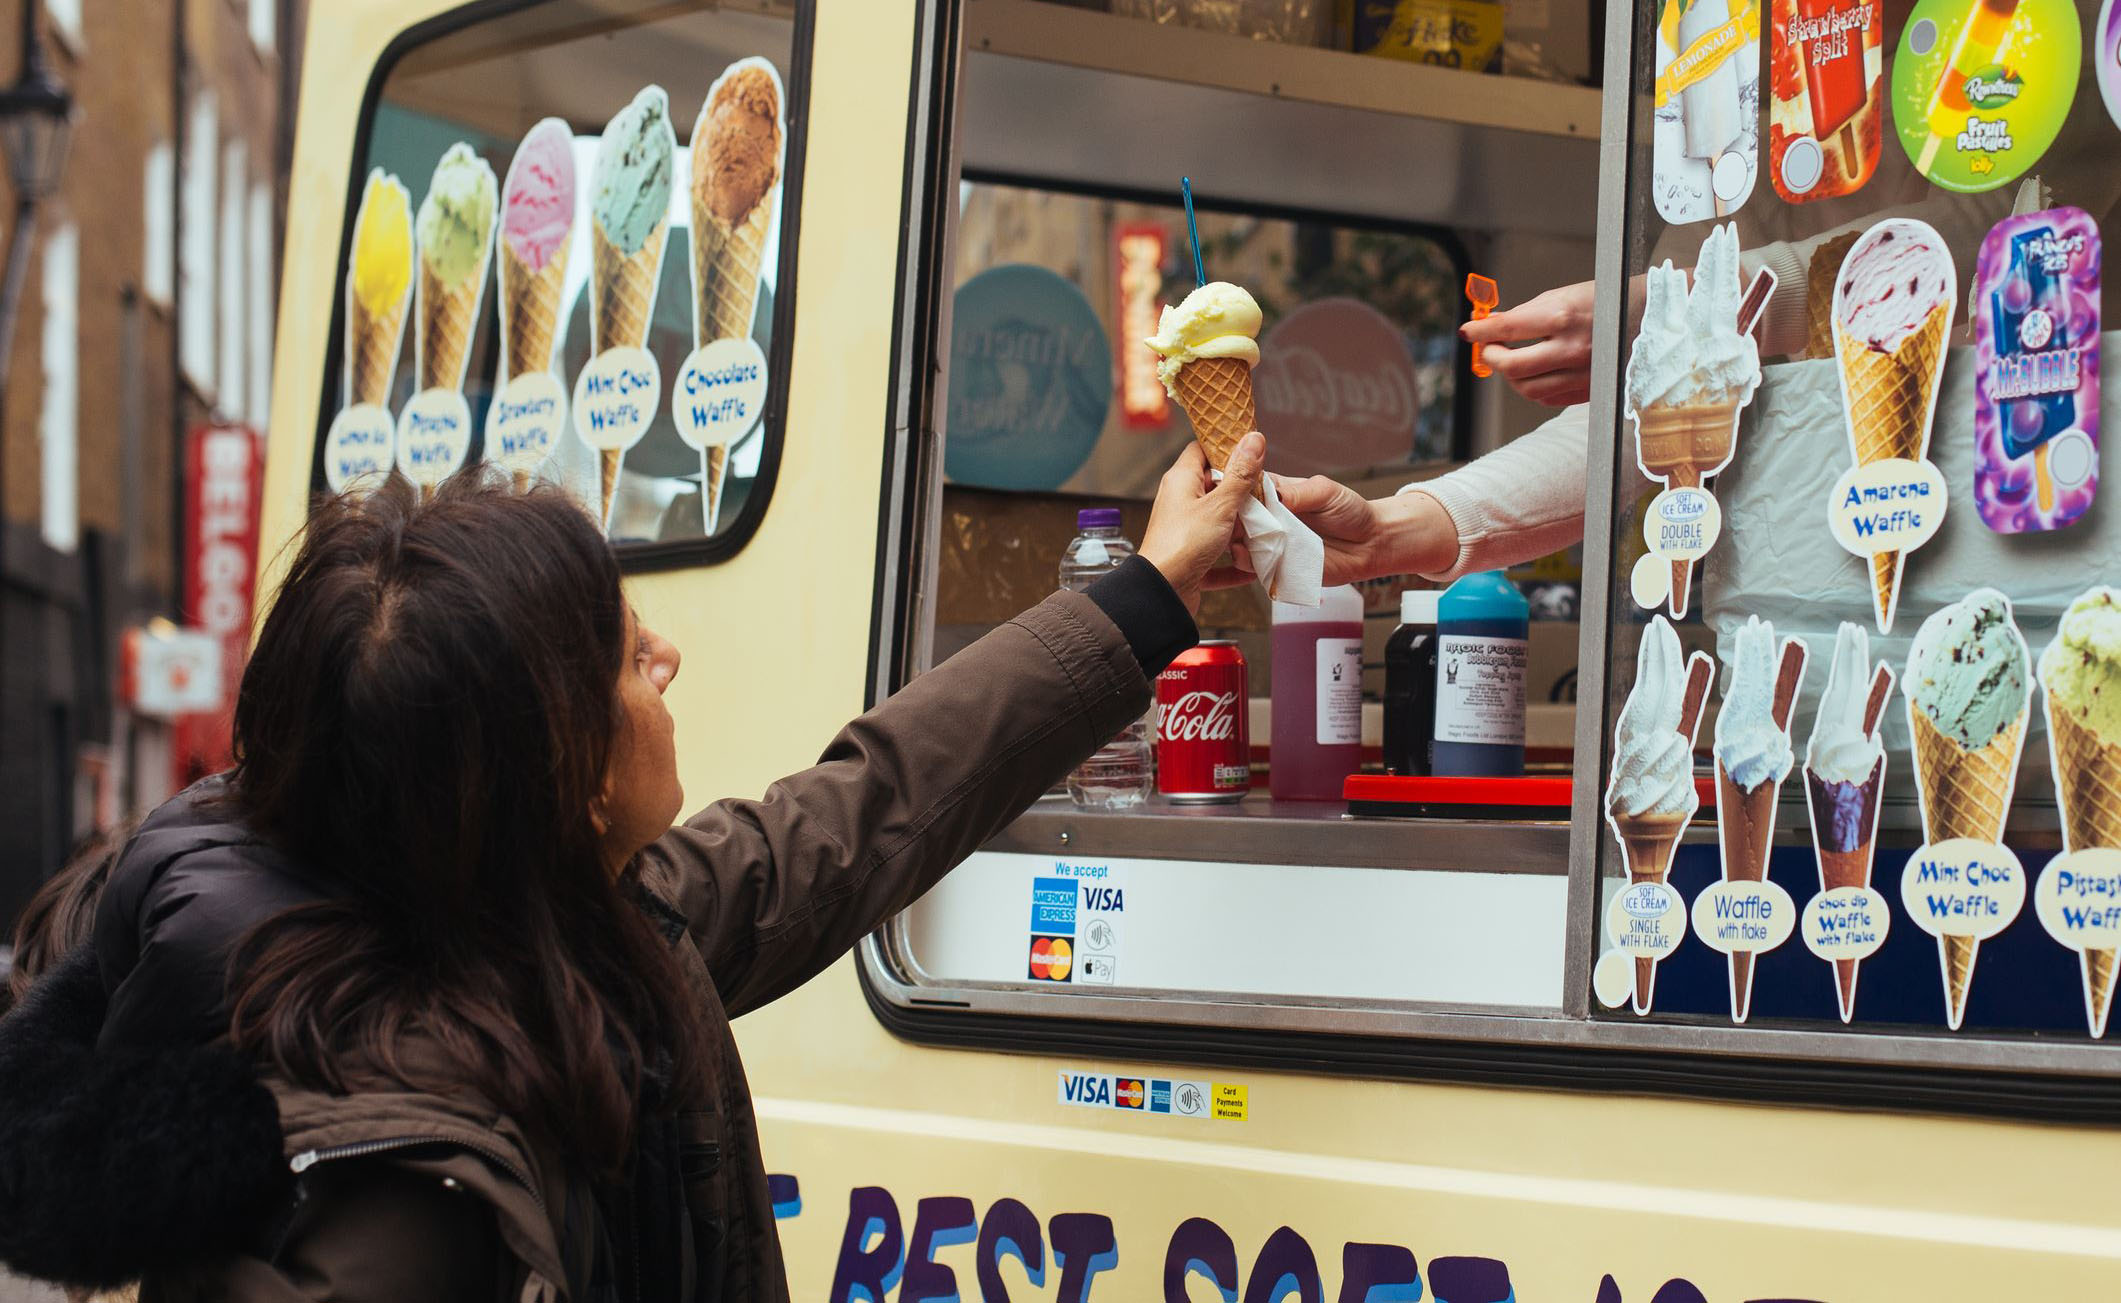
pixel 143 246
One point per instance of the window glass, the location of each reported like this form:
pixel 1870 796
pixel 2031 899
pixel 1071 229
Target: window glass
pixel 591 187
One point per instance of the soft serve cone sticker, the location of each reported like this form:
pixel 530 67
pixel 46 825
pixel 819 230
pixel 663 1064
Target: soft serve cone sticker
pixel 2078 896
pixel 1844 789
pixel 1648 804
pixel 738 148
pixel 360 446
pixel 456 247
pixel 1892 317
pixel 619 391
pixel 1693 369
pixel 1968 687
pixel 529 415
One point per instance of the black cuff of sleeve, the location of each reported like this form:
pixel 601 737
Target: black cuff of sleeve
pixel 1138 599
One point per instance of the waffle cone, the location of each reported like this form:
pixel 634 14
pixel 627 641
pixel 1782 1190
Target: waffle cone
pixel 1745 833
pixel 1647 843
pixel 1889 408
pixel 608 460
pixel 2088 781
pixel 1824 273
pixel 447 315
pixel 1957 955
pixel 727 264
pixel 1846 869
pixel 622 290
pixel 530 309
pixel 1965 793
pixel 1683 477
pixel 372 357
pixel 714 475
pixel 1217 395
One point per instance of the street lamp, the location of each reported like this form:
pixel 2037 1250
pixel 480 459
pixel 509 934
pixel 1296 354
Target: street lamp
pixel 36 120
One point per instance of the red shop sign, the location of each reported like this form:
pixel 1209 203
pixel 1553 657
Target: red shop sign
pixel 1138 254
pixel 224 473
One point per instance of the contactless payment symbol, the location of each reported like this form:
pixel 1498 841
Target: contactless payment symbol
pixel 1981 87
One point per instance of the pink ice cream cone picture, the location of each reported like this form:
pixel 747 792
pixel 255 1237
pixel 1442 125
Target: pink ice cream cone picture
pixel 529 415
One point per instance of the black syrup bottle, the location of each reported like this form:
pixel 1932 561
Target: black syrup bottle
pixel 1410 684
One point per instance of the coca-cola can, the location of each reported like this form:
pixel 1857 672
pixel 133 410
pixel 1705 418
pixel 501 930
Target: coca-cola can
pixel 1202 751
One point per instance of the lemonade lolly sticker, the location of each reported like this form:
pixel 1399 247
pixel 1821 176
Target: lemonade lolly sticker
pixel 1981 87
pixel 1707 132
pixel 2036 389
pixel 1827 80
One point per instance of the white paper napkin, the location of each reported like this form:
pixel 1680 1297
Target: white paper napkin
pixel 1286 554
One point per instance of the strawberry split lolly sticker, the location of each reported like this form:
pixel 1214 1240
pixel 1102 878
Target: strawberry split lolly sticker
pixel 1826 120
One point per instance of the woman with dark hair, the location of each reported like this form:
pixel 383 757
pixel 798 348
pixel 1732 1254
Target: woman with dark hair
pixel 434 998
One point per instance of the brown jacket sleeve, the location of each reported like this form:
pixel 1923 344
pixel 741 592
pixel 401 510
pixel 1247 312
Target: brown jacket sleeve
pixel 776 890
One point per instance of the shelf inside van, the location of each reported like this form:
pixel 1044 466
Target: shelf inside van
pixel 1071 95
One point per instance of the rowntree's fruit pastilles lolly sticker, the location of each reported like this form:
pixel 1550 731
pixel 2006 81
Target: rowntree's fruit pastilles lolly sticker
pixel 1981 87
pixel 1706 154
pixel 1828 111
pixel 2036 392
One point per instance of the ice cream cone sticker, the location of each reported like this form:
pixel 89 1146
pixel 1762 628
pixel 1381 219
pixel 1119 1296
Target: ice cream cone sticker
pixel 1844 781
pixel 737 159
pixel 1747 913
pixel 1968 686
pixel 359 449
pixel 1707 99
pixel 456 246
pixel 617 394
pixel 1693 369
pixel 1892 313
pixel 1651 798
pixel 537 234
pixel 2078 897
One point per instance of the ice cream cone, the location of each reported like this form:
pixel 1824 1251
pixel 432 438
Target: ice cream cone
pixel 728 262
pixel 373 355
pixel 622 288
pixel 1889 405
pixel 447 316
pixel 2088 780
pixel 1964 794
pixel 1845 868
pixel 530 308
pixel 522 479
pixel 608 462
pixel 1820 279
pixel 1684 445
pixel 714 474
pixel 1747 831
pixel 1647 842
pixel 1217 395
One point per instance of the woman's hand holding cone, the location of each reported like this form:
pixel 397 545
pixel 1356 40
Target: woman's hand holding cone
pixel 1195 517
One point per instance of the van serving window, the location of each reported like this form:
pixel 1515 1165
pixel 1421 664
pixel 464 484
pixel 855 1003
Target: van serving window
pixel 569 256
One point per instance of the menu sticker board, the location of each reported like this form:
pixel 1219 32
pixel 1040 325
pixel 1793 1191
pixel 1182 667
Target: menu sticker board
pixel 1827 115
pixel 2106 56
pixel 2036 392
pixel 529 415
pixel 1968 687
pixel 1892 316
pixel 1981 88
pixel 2078 897
pixel 1707 100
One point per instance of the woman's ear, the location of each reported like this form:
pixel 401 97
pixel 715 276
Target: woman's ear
pixel 597 819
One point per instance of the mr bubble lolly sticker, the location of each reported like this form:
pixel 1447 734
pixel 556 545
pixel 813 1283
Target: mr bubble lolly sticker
pixel 1707 134
pixel 1828 111
pixel 1981 87
pixel 2036 394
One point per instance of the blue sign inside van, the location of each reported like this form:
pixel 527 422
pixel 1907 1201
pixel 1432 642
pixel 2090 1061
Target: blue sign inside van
pixel 1030 380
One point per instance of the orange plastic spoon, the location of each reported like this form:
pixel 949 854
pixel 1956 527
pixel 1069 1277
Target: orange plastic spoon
pixel 1480 291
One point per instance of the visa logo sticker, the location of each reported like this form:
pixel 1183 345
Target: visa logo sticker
pixel 1104 899
pixel 1086 1089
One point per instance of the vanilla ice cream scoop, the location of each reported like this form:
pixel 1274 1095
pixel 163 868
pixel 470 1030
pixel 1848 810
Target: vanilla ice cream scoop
pixel 1217 320
pixel 1690 349
pixel 1653 762
pixel 1750 745
pixel 1841 751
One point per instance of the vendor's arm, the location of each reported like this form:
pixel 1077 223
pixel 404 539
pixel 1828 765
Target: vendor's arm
pixel 775 890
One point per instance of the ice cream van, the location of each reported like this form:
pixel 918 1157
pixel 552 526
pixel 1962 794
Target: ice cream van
pixel 1784 971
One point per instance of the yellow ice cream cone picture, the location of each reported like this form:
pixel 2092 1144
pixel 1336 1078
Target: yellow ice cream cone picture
pixel 536 237
pixel 737 158
pixel 455 250
pixel 2078 896
pixel 360 447
pixel 1968 687
pixel 619 392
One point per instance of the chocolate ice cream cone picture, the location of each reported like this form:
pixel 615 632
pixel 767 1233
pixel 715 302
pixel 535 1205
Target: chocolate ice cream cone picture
pixel 1651 799
pixel 1844 783
pixel 1892 313
pixel 1693 369
pixel 456 246
pixel 619 391
pixel 1968 687
pixel 529 414
pixel 2078 896
pixel 737 158
pixel 1746 913
pixel 361 447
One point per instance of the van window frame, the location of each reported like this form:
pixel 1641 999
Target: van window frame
pixel 633 557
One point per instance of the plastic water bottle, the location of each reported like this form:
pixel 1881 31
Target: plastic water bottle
pixel 1118 777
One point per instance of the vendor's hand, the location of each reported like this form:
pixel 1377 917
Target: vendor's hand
pixel 1194 517
pixel 1409 533
pixel 1551 359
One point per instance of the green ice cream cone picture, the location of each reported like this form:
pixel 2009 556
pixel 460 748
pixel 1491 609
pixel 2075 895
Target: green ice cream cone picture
pixel 2078 897
pixel 455 232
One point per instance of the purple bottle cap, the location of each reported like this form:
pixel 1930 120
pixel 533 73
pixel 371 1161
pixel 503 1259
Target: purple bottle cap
pixel 1097 518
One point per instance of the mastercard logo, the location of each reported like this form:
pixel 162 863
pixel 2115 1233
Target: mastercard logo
pixel 1052 958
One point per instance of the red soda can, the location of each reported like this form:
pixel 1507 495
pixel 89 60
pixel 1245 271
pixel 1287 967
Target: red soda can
pixel 1202 749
